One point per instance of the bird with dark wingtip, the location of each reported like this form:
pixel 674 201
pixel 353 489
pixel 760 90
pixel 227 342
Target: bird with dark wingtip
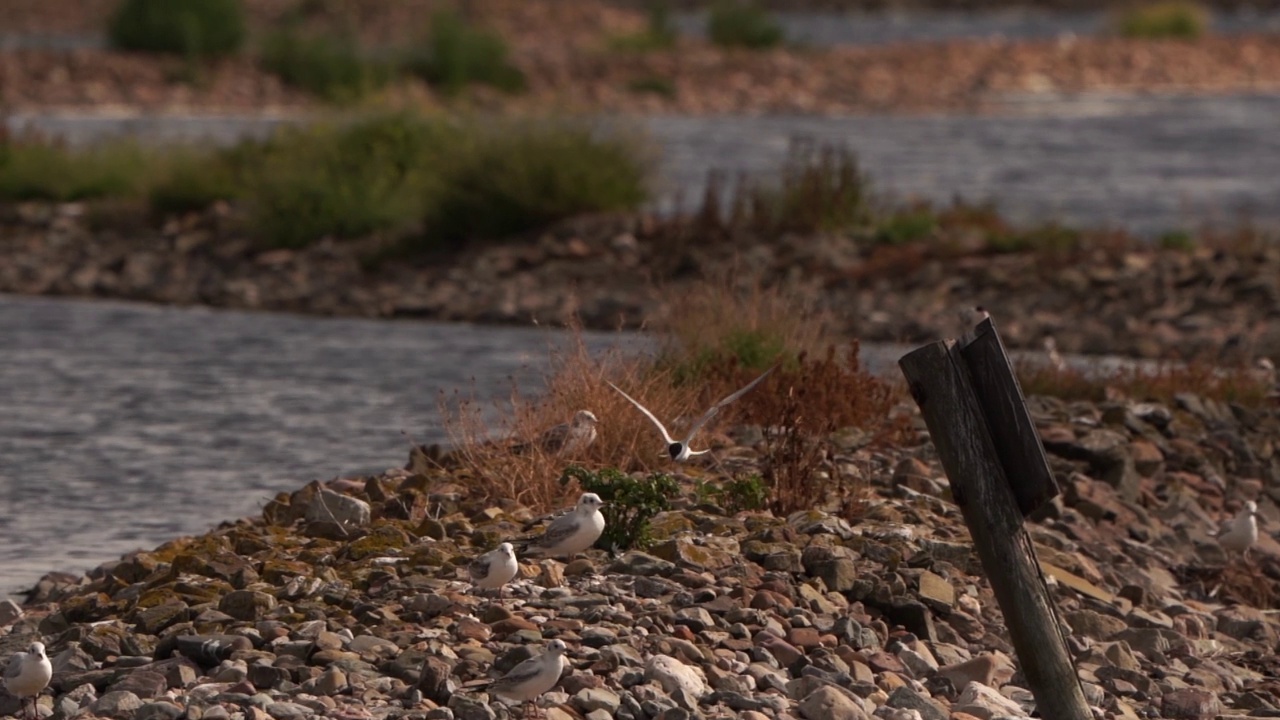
pixel 679 450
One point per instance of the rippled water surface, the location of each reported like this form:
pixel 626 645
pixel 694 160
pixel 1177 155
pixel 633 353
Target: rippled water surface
pixel 125 425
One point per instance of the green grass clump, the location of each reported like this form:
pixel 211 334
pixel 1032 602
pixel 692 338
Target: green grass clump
pixel 659 33
pixel 1176 19
pixel 906 226
pixel 192 181
pixel 1177 240
pixel 511 179
pixel 653 85
pixel 42 171
pixel 630 503
pixel 330 66
pixel 749 492
pixel 456 54
pixel 191 28
pixel 822 190
pixel 1048 237
pixel 742 24
pixel 345 182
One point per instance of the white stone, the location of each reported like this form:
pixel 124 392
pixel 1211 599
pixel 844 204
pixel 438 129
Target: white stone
pixel 674 675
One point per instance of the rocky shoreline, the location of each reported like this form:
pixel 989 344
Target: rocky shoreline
pixel 1128 298
pixel 880 612
pixel 582 72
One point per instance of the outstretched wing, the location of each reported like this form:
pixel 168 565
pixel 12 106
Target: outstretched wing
pixel 661 428
pixel 706 417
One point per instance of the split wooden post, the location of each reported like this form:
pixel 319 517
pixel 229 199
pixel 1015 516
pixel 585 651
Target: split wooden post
pixel 982 447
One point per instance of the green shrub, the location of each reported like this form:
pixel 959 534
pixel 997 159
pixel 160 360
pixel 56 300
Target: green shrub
pixel 329 66
pixel 749 492
pixel 630 503
pixel 191 182
pixel 192 28
pixel 742 24
pixel 822 190
pixel 1177 240
pixel 457 54
pixel 42 171
pixel 344 182
pixel 659 34
pixel 752 348
pixel 1050 237
pixel 513 179
pixel 653 84
pixel 1178 19
pixel 906 226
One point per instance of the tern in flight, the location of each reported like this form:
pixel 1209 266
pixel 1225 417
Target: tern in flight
pixel 679 450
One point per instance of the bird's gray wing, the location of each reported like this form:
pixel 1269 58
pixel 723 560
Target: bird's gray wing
pixel 661 428
pixel 524 672
pixel 559 530
pixel 14 668
pixel 479 568
pixel 552 439
pixel 706 417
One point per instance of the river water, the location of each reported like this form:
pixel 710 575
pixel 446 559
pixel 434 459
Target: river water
pixel 122 426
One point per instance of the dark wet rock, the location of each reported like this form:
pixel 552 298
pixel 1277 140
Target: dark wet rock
pixel 204 650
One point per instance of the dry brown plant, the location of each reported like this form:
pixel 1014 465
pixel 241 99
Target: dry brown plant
pixel 1159 383
pixel 497 469
pixel 800 408
pixel 719 336
pixel 731 314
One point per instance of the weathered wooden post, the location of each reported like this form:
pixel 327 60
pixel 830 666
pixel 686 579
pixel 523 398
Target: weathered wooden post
pixel 991 452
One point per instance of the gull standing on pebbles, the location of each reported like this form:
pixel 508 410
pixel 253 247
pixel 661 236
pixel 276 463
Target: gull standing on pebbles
pixel 533 677
pixel 494 569
pixel 568 438
pixel 679 450
pixel 27 675
pixel 574 531
pixel 1240 534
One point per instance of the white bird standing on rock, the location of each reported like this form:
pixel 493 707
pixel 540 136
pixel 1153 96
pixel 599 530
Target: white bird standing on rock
pixel 569 438
pixel 494 569
pixel 1240 534
pixel 533 677
pixel 572 532
pixel 27 675
pixel 679 450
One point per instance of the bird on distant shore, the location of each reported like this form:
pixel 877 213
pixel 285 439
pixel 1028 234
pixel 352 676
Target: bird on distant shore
pixel 679 450
pixel 573 532
pixel 1055 358
pixel 27 675
pixel 494 569
pixel 1264 371
pixel 1241 532
pixel 527 681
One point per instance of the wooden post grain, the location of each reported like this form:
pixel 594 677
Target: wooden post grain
pixel 1012 430
pixel 941 385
